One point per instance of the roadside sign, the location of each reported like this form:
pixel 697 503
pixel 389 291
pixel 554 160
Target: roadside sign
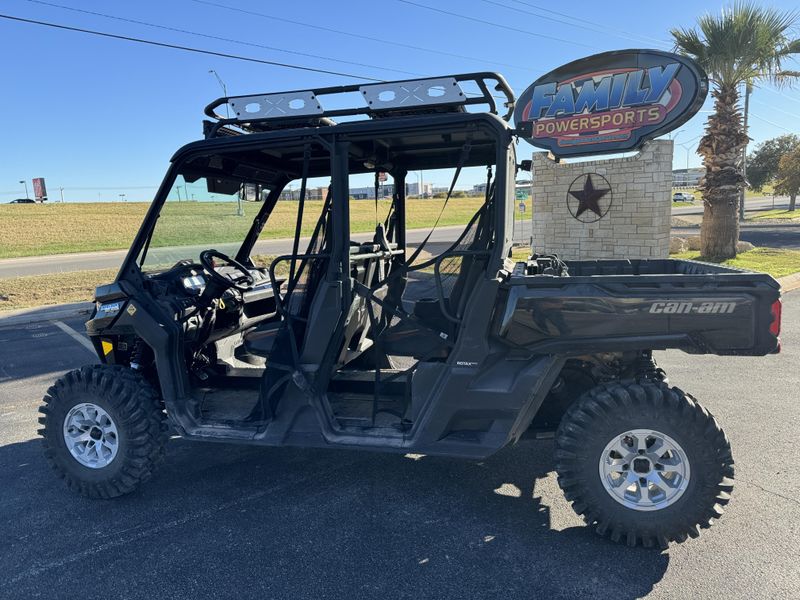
pixel 522 207
pixel 39 189
pixel 610 102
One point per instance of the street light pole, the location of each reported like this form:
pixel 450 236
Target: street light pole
pixel 61 189
pixel 25 183
pixel 224 90
pixel 747 89
pixel 673 137
pixel 419 183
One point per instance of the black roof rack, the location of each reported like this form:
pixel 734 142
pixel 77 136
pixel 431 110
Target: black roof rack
pixel 304 108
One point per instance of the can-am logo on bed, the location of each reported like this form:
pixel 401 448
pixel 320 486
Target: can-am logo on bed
pixel 610 102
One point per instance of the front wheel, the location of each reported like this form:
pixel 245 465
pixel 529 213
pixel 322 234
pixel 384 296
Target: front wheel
pixel 643 462
pixel 103 430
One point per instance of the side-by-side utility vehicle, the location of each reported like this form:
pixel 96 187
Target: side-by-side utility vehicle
pixel 392 340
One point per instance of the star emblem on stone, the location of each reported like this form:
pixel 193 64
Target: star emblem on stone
pixel 589 198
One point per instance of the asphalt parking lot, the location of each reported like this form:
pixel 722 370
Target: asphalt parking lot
pixel 228 521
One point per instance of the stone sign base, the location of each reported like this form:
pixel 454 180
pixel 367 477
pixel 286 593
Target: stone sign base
pixel 616 208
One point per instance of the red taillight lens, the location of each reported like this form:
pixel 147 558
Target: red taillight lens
pixel 775 326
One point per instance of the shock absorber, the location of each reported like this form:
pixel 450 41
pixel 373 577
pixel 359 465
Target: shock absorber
pixel 139 354
pixel 647 368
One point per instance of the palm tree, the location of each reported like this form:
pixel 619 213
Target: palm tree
pixel 747 44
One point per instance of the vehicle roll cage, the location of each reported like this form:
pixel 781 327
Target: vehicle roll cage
pixel 257 113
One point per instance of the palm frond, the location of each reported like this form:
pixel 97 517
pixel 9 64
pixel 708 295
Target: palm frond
pixel 744 42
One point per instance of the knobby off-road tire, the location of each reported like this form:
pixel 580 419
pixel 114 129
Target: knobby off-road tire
pixel 700 456
pixel 103 431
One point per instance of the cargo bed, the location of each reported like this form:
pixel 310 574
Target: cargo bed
pixel 616 305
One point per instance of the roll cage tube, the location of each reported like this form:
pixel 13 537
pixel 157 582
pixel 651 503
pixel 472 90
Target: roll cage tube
pixel 141 241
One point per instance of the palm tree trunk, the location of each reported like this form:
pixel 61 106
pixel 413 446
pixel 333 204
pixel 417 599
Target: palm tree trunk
pixel 721 149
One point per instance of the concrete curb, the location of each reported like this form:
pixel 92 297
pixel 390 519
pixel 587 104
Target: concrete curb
pixel 789 282
pixel 746 226
pixel 54 312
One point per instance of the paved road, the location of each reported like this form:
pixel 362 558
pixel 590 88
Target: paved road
pixel 751 204
pixel 226 521
pixel 778 236
pixel 42 265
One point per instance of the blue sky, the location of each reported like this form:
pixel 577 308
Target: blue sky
pixel 102 117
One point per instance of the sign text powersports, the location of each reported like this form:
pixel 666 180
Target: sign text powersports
pixel 610 102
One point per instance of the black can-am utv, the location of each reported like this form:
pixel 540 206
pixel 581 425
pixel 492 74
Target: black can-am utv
pixel 353 341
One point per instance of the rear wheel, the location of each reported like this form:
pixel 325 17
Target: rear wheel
pixel 103 430
pixel 643 462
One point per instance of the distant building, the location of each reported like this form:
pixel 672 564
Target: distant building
pixel 312 193
pixel 385 190
pixel 687 177
pixel 412 189
pixel 478 189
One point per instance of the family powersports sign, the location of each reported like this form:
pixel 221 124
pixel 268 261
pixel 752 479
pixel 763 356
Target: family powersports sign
pixel 610 102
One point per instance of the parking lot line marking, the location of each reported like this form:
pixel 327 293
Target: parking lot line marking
pixel 75 335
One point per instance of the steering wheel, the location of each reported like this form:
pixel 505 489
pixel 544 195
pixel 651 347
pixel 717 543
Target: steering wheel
pixel 242 284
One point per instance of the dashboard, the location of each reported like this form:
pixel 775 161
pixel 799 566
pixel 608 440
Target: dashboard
pixel 183 290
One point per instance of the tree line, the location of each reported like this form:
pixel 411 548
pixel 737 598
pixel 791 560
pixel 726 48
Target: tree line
pixel 776 162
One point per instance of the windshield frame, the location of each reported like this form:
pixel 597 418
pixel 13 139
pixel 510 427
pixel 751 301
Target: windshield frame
pixel 137 254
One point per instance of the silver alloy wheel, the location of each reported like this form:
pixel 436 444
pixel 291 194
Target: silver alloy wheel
pixel 90 435
pixel 644 469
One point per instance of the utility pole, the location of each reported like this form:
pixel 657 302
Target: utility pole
pixel 747 89
pixel 122 196
pixel 224 91
pixel 25 183
pixel 61 189
pixel 178 189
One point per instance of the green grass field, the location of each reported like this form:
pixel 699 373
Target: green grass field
pixel 778 214
pixel 41 229
pixel 775 261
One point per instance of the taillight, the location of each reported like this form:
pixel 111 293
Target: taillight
pixel 775 326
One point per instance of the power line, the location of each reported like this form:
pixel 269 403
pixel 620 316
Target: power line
pixel 779 93
pixel 497 25
pixel 361 36
pixel 780 110
pixel 574 18
pixel 215 37
pixel 604 31
pixel 187 48
pixel 752 114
